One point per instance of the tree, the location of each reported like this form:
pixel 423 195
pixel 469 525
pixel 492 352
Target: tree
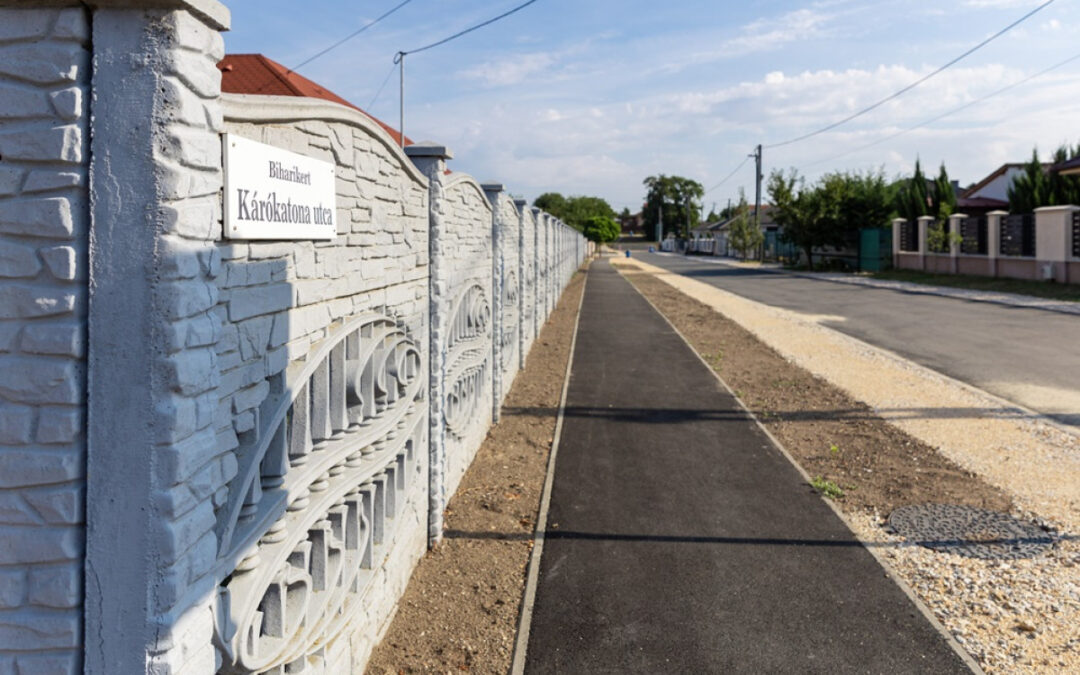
pixel 1035 187
pixel 574 210
pixel 601 229
pixel 676 193
pixel 744 234
pixel 553 203
pixel 912 199
pixel 798 210
pixel 830 213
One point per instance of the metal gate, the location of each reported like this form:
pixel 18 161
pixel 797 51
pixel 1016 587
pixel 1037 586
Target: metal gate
pixel 875 249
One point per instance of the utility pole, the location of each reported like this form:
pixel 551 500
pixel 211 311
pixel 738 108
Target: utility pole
pixel 660 223
pixel 687 225
pixel 401 98
pixel 757 188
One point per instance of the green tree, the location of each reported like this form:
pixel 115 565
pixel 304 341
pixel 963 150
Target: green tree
pixel 677 194
pixel 1036 187
pixel 576 210
pixel 798 210
pixel 601 229
pixel 912 199
pixel 579 209
pixel 831 212
pixel 553 203
pixel 744 234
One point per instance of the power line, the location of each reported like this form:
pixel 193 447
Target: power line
pixel 947 113
pixel 730 175
pixel 381 87
pixel 350 36
pixel 915 83
pixel 467 31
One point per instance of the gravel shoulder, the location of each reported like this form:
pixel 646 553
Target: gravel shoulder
pixel 889 433
pixel 460 610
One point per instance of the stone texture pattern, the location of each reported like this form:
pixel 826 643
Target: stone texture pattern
pixel 507 272
pixel 216 323
pixel 276 299
pixel 527 253
pixel 466 251
pixel 44 86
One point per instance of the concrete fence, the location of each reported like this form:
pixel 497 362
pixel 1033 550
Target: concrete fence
pixel 1041 246
pixel 227 455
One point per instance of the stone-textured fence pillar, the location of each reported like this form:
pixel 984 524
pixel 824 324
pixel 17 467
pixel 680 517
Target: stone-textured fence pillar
pixel 1053 239
pixel 155 182
pixel 538 264
pixel 993 239
pixel 924 224
pixel 526 263
pixel 431 160
pixel 955 240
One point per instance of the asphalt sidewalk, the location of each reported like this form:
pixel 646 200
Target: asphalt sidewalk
pixel 681 540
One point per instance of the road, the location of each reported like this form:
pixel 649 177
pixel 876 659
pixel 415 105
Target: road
pixel 1027 356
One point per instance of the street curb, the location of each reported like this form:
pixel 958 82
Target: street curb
pixel 532 579
pixel 968 660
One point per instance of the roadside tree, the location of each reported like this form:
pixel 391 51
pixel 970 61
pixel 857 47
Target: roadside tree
pixel 677 194
pixel 744 234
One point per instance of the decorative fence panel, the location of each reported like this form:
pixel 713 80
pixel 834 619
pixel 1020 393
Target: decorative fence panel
pixel 1018 235
pixel 975 236
pixel 1076 234
pixel 909 237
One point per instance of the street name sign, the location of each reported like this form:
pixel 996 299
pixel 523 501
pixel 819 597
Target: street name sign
pixel 271 193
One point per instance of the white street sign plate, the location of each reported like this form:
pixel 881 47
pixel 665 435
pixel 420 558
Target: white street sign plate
pixel 272 193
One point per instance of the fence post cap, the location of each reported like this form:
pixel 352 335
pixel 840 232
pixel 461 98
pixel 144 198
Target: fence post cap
pixel 958 215
pixel 998 212
pixel 492 186
pixel 926 218
pixel 428 149
pixel 1060 207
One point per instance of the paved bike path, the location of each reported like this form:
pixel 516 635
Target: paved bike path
pixel 680 539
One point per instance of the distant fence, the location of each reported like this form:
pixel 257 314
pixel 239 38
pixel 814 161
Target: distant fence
pixel 1044 245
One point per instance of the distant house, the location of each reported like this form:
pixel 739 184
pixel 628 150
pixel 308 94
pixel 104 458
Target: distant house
pixel 254 74
pixel 633 224
pixel 1069 168
pixel 991 193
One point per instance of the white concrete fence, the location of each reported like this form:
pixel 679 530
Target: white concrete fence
pixel 220 455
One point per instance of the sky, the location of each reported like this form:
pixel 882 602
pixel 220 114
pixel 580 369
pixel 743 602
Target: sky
pixel 589 97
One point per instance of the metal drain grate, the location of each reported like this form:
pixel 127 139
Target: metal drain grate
pixel 969 531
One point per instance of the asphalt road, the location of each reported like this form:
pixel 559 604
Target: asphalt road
pixel 681 540
pixel 1027 356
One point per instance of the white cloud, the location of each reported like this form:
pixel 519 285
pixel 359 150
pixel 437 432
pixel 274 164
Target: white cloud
pixel 511 70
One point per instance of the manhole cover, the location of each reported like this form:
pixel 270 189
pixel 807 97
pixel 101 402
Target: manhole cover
pixel 969 531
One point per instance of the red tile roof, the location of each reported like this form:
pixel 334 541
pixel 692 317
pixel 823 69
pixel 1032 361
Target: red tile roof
pixel 256 74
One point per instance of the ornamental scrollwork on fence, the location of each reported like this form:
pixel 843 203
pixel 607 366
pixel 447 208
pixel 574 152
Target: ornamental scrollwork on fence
pixel 510 324
pixel 468 359
pixel 315 497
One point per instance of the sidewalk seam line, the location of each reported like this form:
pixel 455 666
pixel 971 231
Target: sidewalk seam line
pixel 968 660
pixel 532 579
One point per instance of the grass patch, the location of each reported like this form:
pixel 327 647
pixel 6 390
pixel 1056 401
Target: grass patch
pixel 827 487
pixel 1039 289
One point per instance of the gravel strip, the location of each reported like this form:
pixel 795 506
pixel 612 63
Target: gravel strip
pixel 1017 616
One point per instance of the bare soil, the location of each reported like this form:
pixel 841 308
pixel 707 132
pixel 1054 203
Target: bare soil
pixel 832 436
pixel 460 609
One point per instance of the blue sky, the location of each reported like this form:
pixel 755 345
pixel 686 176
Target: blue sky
pixel 591 96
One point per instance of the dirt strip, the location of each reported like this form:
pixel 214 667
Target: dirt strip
pixel 1017 616
pixel 460 609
